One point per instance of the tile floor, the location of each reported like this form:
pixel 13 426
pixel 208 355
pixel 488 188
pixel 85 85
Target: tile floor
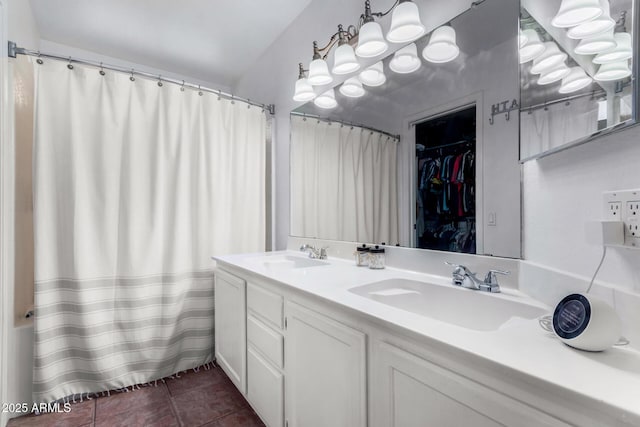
pixel 204 398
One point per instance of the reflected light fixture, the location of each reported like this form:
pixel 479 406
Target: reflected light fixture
pixel 374 75
pixel 622 51
pixel 576 12
pixel 613 71
pixel 576 79
pixel 370 40
pixel 554 74
pixel 533 48
pixel 442 45
pixel 596 44
pixel 326 100
pixel 318 70
pixel 303 91
pixel 405 60
pixel 405 23
pixel 597 26
pixel 551 57
pixel 352 88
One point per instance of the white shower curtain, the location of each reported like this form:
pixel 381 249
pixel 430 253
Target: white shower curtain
pixel 136 186
pixel 343 182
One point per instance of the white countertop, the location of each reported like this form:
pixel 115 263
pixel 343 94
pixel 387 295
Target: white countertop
pixel 611 377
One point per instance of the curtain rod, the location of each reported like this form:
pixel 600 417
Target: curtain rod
pixel 592 94
pixel 14 50
pixel 313 116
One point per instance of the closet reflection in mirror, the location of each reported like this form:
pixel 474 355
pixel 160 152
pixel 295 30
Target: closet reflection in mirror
pixel 576 73
pixel 415 161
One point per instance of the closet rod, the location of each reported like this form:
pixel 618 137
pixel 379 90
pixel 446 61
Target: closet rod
pixel 313 116
pixel 464 141
pixel 14 50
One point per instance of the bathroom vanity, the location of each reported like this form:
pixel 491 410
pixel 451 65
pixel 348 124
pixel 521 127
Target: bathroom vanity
pixel 325 343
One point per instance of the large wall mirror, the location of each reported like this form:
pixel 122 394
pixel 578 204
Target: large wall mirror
pixel 578 59
pixel 428 155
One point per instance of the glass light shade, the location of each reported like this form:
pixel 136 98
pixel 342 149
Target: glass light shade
pixel 405 23
pixel 576 12
pixel 442 46
pixel 593 28
pixel 576 79
pixel 405 60
pixel 554 74
pixel 352 88
pixel 622 51
pixel 370 41
pixel 304 91
pixel 326 100
pixel 344 60
pixel 613 71
pixel 319 73
pixel 374 75
pixel 533 48
pixel 522 39
pixel 548 59
pixel 596 44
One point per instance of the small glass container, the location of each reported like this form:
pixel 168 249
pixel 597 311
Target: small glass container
pixel 362 255
pixel 376 258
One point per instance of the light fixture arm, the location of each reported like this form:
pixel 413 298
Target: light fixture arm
pixel 368 16
pixel 301 71
pixel 341 36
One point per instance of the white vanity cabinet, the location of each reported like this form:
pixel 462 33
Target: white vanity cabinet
pixel 230 327
pixel 326 371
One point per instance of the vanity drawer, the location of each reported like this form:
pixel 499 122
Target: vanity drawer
pixel 265 304
pixel 267 341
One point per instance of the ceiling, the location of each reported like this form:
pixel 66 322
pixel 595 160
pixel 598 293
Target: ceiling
pixel 213 41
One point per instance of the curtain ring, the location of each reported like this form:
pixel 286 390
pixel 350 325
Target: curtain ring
pixel 159 81
pixel 70 65
pixel 39 60
pixel 233 102
pixel 182 87
pixel 219 95
pixel 199 91
pixel 248 104
pixel 102 73
pixel 133 79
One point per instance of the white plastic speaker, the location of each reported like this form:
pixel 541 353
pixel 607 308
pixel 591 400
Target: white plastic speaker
pixel 586 323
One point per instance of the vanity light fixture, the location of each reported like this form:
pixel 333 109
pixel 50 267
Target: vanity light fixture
pixel 326 100
pixel 405 60
pixel 613 71
pixel 374 75
pixel 442 46
pixel 344 60
pixel 596 44
pixel 621 52
pixel 405 23
pixel 533 48
pixel 303 91
pixel 370 39
pixel 352 88
pixel 551 57
pixel 576 79
pixel 318 70
pixel 576 12
pixel 552 75
pixel 597 26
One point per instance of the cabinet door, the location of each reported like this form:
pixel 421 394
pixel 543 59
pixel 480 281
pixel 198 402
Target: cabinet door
pixel 231 327
pixel 408 391
pixel 325 371
pixel 265 389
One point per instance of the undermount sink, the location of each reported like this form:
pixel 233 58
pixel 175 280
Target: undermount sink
pixel 469 309
pixel 287 262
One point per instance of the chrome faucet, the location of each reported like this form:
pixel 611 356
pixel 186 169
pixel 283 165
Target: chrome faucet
pixel 462 276
pixel 314 253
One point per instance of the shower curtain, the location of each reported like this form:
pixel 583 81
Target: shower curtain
pixel 343 182
pixel 136 186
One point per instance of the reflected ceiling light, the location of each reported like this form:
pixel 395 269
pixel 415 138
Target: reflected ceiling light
pixel 551 57
pixel 522 39
pixel 405 60
pixel 405 23
pixel 596 44
pixel 344 60
pixel 304 91
pixel 613 71
pixel 593 28
pixel 326 100
pixel 533 48
pixel 352 88
pixel 442 45
pixel 554 74
pixel 576 79
pixel 374 75
pixel 576 12
pixel 621 52
pixel 370 40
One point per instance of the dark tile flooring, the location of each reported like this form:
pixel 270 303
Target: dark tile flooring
pixel 204 398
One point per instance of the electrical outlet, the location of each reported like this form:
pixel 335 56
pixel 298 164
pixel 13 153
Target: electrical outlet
pixel 624 205
pixel 633 209
pixel 632 227
pixel 614 210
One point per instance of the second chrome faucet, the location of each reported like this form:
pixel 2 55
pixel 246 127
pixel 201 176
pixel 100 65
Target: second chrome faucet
pixel 462 276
